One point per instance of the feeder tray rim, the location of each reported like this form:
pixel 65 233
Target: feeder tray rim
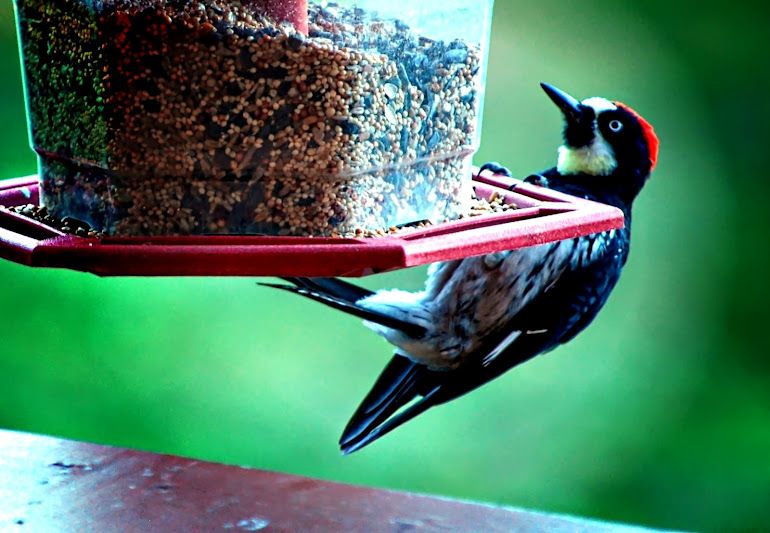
pixel 543 216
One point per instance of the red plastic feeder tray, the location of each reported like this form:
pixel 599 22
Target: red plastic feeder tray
pixel 542 216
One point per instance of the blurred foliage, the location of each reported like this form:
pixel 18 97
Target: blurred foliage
pixel 659 414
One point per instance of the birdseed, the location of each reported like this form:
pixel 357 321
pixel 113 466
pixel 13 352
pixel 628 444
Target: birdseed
pixel 167 117
pixel 476 207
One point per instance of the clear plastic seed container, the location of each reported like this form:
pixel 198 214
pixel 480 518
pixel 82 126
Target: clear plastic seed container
pixel 188 117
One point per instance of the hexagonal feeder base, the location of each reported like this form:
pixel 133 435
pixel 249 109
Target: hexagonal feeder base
pixel 542 216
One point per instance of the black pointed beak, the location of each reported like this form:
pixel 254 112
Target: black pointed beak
pixel 580 118
pixel 571 108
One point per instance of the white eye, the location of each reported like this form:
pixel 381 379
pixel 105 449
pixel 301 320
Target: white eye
pixel 616 126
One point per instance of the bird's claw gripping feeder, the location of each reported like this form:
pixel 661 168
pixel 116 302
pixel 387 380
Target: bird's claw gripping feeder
pixel 265 137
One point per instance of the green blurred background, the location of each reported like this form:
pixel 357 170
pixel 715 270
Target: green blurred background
pixel 659 414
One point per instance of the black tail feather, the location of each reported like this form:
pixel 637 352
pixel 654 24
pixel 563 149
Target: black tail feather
pixel 403 386
pixel 399 384
pixel 396 381
pixel 391 424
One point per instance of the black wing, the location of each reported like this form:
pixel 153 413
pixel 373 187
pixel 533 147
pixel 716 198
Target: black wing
pixel 406 389
pixel 342 295
pixel 405 383
pixel 555 317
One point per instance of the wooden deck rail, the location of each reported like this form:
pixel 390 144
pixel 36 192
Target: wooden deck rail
pixel 50 485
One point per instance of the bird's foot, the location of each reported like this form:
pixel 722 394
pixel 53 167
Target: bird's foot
pixel 493 260
pixel 537 179
pixel 495 168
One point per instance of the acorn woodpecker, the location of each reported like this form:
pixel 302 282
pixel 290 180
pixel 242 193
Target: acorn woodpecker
pixel 480 316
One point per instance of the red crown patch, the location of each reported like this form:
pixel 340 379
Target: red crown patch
pixel 653 144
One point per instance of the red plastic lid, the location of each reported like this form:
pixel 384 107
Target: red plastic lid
pixel 543 216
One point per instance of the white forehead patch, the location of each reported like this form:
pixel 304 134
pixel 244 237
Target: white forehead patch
pixel 599 104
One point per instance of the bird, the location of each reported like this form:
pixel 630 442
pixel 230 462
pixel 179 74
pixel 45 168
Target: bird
pixel 480 316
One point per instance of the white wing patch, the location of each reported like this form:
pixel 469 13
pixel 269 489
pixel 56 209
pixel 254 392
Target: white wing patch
pixel 492 355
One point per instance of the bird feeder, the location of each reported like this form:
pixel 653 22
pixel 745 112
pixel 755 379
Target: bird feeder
pixel 263 137
pixel 274 117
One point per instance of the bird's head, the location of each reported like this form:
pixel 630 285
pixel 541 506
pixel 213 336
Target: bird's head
pixel 604 138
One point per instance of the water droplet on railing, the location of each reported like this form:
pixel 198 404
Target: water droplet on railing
pixel 253 524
